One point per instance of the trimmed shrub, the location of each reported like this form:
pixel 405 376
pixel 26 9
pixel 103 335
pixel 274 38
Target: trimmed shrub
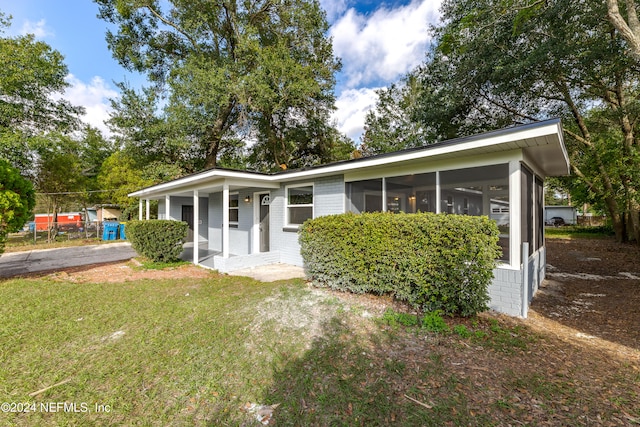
pixel 433 262
pixel 159 240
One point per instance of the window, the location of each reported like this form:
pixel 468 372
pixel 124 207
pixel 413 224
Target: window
pixel 364 196
pixel 407 193
pixel 233 210
pixel 299 204
pixel 479 191
pixel 411 193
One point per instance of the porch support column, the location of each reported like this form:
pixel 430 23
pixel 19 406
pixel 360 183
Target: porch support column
pixel 196 223
pixel 438 193
pixel 147 206
pixel 139 210
pixel 514 213
pixel 384 194
pixel 225 221
pixel 167 207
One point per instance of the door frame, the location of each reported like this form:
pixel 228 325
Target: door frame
pixel 255 246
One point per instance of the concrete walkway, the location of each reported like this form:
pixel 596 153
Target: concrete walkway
pixel 271 272
pixel 22 263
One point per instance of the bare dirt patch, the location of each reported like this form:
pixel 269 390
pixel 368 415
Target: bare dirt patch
pixel 128 271
pixel 593 289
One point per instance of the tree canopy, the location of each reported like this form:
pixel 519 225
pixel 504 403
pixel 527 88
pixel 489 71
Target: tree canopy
pixel 515 62
pixel 257 72
pixel 31 74
pixel 17 199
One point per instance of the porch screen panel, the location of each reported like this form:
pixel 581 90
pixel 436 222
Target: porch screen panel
pixel 364 196
pixel 539 212
pixel 479 191
pixel 411 193
pixel 526 209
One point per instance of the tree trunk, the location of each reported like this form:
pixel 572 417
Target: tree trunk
pixel 634 222
pixel 220 126
pixel 629 28
pixel 617 220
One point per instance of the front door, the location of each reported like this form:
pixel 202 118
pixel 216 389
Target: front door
pixel 187 216
pixel 265 200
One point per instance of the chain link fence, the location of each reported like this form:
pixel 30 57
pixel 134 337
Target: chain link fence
pixel 36 233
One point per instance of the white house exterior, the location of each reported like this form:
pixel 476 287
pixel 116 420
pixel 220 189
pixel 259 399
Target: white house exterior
pixel 568 214
pixel 241 219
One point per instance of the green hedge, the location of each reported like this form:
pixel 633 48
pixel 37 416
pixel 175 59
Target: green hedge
pixel 433 262
pixel 157 239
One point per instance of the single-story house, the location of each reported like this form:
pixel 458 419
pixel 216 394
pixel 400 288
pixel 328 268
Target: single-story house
pixel 568 214
pixel 240 219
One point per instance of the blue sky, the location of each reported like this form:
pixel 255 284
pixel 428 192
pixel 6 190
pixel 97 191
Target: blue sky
pixel 378 42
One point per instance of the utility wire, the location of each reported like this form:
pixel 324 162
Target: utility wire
pixel 74 192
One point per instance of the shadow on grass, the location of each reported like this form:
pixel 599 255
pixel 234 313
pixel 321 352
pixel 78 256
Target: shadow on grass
pixel 354 378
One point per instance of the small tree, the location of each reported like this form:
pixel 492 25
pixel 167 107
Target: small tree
pixel 17 199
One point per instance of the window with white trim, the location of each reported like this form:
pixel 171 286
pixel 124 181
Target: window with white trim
pixel 299 204
pixel 234 200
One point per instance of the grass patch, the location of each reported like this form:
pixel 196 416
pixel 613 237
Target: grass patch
pixel 196 351
pixel 394 318
pixel 145 349
pixel 575 231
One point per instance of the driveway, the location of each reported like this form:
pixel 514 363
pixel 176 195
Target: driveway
pixel 22 263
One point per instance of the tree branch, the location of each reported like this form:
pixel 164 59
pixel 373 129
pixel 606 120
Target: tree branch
pixel 577 137
pixel 175 27
pixel 631 30
pixel 506 107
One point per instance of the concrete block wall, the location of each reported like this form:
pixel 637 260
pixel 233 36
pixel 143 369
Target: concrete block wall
pixel 240 238
pixel 215 221
pixel 328 199
pixel 505 292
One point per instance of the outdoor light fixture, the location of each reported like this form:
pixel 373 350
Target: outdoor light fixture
pixel 247 199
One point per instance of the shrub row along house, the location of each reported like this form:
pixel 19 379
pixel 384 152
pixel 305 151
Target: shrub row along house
pixel 240 219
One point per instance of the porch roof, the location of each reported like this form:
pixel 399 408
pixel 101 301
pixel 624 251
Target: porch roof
pixel 542 142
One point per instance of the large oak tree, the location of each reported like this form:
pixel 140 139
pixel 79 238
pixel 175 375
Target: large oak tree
pixel 259 71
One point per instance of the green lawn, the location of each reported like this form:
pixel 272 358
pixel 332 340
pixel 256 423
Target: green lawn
pixel 196 351
pixel 575 231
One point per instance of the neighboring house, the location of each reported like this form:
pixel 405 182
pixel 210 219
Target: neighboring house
pixel 567 213
pixel 241 219
pixel 104 213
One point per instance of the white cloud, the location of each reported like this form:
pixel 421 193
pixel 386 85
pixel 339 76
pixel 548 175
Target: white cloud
pixel 384 45
pixel 38 29
pixel 352 106
pixel 334 8
pixel 94 97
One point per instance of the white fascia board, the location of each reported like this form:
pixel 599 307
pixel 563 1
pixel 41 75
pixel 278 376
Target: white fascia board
pixel 472 143
pixel 203 179
pixel 534 132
